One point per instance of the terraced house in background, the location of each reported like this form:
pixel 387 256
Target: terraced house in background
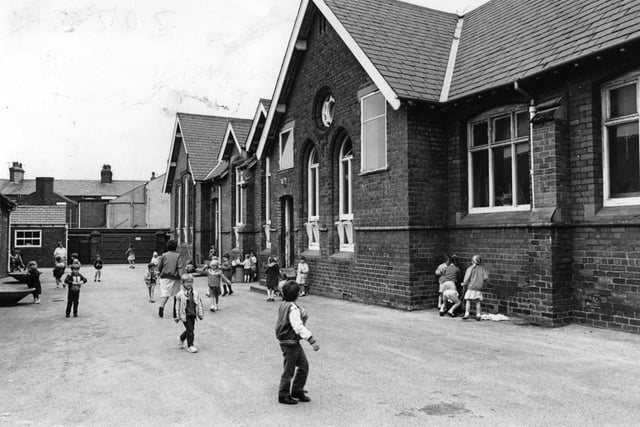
pixel 397 133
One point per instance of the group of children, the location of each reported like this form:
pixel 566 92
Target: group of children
pixel 451 288
pixel 73 281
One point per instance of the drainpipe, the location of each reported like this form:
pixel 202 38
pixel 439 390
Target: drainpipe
pixel 532 112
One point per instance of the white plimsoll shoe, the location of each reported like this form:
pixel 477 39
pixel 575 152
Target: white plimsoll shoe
pixel 192 349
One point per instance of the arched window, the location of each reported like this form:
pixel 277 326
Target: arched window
pixel 313 200
pixel 313 186
pixel 345 185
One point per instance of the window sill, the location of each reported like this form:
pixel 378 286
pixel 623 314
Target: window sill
pixel 618 213
pixel 510 218
pixel 244 228
pixel 311 253
pixel 343 256
pixel 371 172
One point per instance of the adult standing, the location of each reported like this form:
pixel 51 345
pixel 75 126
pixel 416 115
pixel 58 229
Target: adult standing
pixel 169 268
pixel 61 252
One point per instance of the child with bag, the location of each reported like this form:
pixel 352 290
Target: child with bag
pixel 58 272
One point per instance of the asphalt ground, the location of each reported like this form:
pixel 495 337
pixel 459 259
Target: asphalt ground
pixel 118 363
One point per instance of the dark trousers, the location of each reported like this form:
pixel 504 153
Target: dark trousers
pixel 294 357
pixel 72 299
pixel 188 334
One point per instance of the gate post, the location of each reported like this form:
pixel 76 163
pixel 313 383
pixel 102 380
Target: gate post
pixel 95 244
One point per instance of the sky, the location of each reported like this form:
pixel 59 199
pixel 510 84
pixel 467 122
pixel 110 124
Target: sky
pixel 90 82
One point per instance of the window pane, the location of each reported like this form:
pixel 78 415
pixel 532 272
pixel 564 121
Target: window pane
pixel 346 186
pixel 503 193
pixel 522 120
pixel 373 154
pixel 523 164
pixel 502 129
pixel 623 160
pixel 373 106
pixel 623 101
pixel 480 134
pixel 480 164
pixel 313 180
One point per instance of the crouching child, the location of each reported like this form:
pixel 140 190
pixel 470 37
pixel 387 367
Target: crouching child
pixel 188 307
pixel 290 329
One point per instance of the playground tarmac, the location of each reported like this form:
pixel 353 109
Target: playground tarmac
pixel 118 363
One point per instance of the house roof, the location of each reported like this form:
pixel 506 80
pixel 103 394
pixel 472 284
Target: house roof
pixel 202 137
pixel 71 187
pixel 506 40
pixel 241 129
pixel 219 171
pixel 39 215
pixel 257 124
pixel 408 44
pixel 7 202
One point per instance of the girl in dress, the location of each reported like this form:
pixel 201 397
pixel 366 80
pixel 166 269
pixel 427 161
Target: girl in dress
pixel 475 278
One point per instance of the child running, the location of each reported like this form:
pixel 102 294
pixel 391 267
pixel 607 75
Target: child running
pixel 188 307
pixel 290 329
pixel 214 277
pixel 97 264
pixel 74 280
pixel 150 279
pixel 273 273
pixel 58 272
pixel 33 280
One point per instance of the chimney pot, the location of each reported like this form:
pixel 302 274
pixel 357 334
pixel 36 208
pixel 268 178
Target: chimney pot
pixel 106 176
pixel 16 173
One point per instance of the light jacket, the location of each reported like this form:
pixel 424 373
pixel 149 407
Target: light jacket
pixel 181 306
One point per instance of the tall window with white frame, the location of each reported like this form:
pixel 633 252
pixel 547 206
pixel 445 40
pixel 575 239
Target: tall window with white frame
pixel 344 224
pixel 179 215
pixel 267 203
pixel 374 132
pixel 499 162
pixel 621 147
pixel 286 148
pixel 313 201
pixel 240 184
pixel 187 212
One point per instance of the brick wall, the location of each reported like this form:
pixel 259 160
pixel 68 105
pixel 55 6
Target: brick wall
pixel 4 238
pixel 44 254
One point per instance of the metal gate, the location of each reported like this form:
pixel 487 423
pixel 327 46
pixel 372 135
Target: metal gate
pixel 111 244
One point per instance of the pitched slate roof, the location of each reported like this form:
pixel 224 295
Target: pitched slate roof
pixel 39 215
pixel 202 136
pixel 506 40
pixel 501 41
pixel 241 128
pixel 408 44
pixel 71 187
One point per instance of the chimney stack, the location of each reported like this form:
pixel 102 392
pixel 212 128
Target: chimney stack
pixel 106 176
pixel 153 176
pixel 16 173
pixel 44 191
